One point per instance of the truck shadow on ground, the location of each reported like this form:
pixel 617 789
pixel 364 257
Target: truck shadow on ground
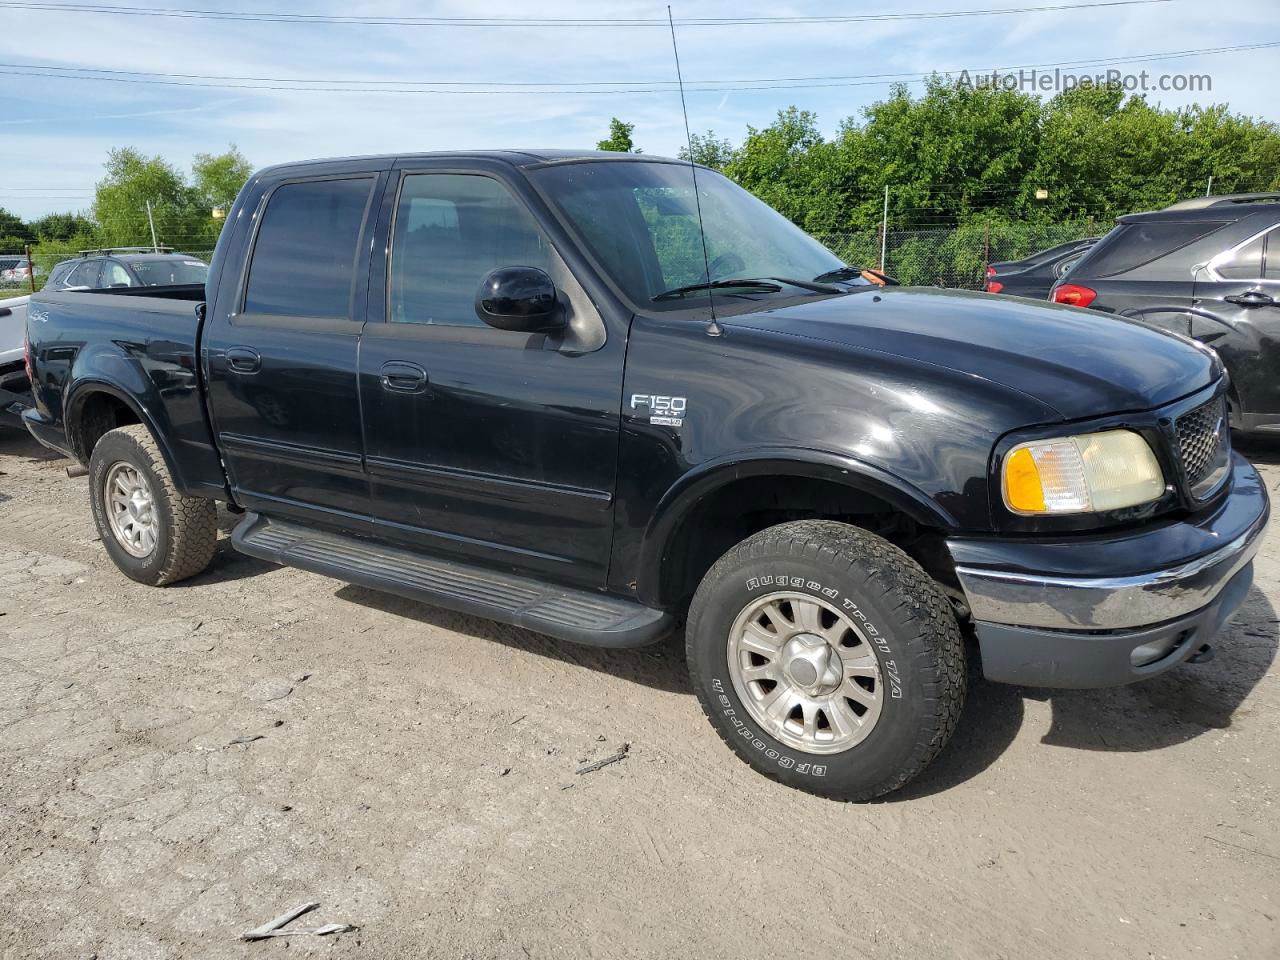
pixel 1185 703
pixel 660 666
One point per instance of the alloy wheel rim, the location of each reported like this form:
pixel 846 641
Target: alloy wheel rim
pixel 805 672
pixel 131 509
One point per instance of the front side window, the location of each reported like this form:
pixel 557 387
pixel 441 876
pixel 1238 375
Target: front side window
pixel 115 275
pixel 640 220
pixel 450 231
pixel 1271 255
pixel 304 258
pixel 86 274
pixel 1245 263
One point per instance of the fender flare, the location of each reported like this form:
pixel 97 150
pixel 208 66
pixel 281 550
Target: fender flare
pixel 84 388
pixel 690 489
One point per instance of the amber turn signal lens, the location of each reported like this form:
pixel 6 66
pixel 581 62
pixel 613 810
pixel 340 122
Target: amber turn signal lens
pixel 1023 489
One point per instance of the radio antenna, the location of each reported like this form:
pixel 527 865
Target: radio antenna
pixel 713 328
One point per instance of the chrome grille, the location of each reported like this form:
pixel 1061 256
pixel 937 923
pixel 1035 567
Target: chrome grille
pixel 1203 443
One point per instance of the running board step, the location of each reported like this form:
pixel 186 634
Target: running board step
pixel 580 616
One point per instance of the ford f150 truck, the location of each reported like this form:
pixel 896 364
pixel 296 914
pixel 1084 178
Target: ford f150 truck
pixel 515 384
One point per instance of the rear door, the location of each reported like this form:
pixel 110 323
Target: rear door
pixel 495 446
pixel 280 350
pixel 1237 312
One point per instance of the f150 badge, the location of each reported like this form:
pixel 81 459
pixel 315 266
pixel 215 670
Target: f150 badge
pixel 665 411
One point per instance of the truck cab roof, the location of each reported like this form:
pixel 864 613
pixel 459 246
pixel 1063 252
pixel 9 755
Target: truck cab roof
pixel 516 157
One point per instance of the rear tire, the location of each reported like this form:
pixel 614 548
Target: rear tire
pixel 827 659
pixel 154 534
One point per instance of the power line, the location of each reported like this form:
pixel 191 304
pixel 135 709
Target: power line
pixel 260 17
pixel 330 85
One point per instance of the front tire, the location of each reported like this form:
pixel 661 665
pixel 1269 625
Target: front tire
pixel 827 659
pixel 154 534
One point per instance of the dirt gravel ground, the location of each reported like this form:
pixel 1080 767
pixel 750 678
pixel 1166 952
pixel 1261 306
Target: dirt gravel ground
pixel 415 774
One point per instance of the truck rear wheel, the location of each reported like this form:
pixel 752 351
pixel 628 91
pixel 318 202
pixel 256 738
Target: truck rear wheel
pixel 154 534
pixel 827 659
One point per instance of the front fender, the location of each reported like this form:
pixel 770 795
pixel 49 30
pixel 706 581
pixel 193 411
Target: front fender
pixel 708 477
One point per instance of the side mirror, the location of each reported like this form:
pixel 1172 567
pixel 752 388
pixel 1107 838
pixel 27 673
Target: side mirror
pixel 519 298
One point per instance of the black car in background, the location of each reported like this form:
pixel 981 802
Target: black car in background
pixel 1033 276
pixel 1209 269
pixel 126 267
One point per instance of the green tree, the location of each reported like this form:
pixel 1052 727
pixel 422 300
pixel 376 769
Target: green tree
pixel 619 139
pixel 13 231
pixel 954 151
pixel 709 150
pixel 133 180
pixel 217 178
pixel 61 226
pixel 788 165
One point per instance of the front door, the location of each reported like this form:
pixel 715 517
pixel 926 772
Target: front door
pixel 496 446
pixel 281 354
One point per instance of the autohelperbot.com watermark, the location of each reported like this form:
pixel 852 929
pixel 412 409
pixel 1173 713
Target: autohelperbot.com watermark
pixel 1030 80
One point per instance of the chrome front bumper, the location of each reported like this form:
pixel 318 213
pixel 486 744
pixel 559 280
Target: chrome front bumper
pixel 1040 620
pixel 1107 603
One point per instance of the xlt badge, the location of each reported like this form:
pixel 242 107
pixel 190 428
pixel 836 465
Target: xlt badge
pixel 665 411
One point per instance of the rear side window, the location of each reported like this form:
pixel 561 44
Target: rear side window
pixel 1134 244
pixel 59 273
pixel 304 259
pixel 169 272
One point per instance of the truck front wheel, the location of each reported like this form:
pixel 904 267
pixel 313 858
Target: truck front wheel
pixel 153 533
pixel 827 659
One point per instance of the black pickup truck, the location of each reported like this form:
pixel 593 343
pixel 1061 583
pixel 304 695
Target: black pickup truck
pixel 513 383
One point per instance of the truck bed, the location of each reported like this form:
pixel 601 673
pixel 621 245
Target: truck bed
pixel 142 339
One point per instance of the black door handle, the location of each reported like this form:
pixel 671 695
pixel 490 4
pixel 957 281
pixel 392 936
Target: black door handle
pixel 401 376
pixel 243 360
pixel 1251 298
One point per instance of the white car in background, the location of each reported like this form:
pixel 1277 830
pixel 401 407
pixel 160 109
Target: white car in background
pixel 15 388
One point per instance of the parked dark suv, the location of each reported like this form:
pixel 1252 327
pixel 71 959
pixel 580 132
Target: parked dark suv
pixel 126 267
pixel 1207 268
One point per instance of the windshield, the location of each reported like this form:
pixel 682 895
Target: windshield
pixel 163 273
pixel 640 220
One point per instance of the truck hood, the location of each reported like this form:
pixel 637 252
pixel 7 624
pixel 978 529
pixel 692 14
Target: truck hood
pixel 1078 362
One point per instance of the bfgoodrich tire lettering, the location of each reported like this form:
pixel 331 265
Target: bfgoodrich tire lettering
pixel 185 528
pixel 898 611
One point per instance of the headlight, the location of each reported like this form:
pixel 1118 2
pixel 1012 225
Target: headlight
pixel 1085 474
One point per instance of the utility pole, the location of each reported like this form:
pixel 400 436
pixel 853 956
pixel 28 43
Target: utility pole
pixel 884 228
pixel 1209 189
pixel 155 247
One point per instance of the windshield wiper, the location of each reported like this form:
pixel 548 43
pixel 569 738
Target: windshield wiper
pixel 839 273
pixel 811 285
pixel 762 286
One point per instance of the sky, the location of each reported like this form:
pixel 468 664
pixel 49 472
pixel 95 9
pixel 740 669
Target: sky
pixel 55 131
